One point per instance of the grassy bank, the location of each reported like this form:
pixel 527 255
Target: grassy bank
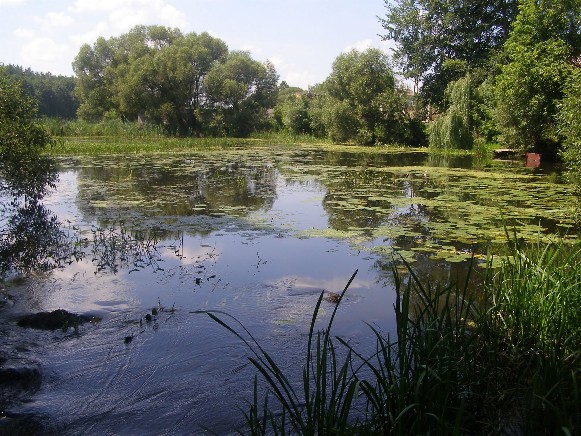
pixel 72 146
pixel 505 363
pixel 77 137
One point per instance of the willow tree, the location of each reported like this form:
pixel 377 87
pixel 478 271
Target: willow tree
pixel 453 129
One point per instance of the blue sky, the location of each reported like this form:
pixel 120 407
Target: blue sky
pixel 301 37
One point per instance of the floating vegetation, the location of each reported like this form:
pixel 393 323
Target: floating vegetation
pixel 373 198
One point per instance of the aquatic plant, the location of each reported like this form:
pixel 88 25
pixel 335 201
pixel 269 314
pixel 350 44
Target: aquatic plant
pixel 504 361
pixel 111 128
pixel 322 404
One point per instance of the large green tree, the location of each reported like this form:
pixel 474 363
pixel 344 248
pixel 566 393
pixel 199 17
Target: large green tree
pixel 20 131
pixel 29 235
pixel 543 46
pixel 239 91
pixel 430 33
pixel 189 83
pixel 362 102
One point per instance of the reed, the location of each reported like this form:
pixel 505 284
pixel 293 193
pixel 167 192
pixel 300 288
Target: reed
pixel 121 145
pixel 105 128
pixel 322 404
pixel 506 361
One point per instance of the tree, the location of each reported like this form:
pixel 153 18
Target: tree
pixel 291 111
pixel 362 101
pixel 158 74
pixel 569 122
pixel 29 236
pixel 453 129
pixel 430 32
pixel 240 90
pixel 541 50
pixel 21 134
pixel 165 86
pixel 53 94
pixel 94 71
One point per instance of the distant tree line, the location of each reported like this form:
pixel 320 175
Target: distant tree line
pixel 193 85
pixel 504 71
pixel 54 95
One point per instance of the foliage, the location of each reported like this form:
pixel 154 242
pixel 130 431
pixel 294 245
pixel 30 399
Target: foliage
pixel 540 56
pixel 570 127
pixel 53 94
pixel 292 110
pixel 22 136
pixel 453 130
pixel 189 84
pixel 361 102
pixel 429 34
pixel 240 90
pixel 30 236
pixel 532 329
pixel 106 128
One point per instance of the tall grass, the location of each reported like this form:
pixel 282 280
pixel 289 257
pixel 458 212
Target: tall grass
pixel 120 145
pixel 534 326
pixel 78 137
pixel 284 137
pixel 503 362
pixel 322 404
pixel 105 128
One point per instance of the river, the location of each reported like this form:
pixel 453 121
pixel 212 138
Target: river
pixel 257 233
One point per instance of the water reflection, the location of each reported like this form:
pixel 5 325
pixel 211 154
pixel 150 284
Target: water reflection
pixel 439 205
pixel 258 233
pixel 31 237
pixel 176 187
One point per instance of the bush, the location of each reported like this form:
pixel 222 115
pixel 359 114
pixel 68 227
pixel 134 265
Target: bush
pixel 570 127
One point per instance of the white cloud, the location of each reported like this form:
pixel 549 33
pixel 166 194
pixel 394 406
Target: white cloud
pixel 24 33
pixel 89 37
pixel 276 61
pixel 169 14
pixel 82 6
pixel 124 14
pixel 360 45
pixel 302 79
pixel 58 19
pixel 10 2
pixel 43 54
pixel 254 50
pixel 388 46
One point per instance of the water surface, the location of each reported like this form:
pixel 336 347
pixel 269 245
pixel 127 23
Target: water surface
pixel 258 233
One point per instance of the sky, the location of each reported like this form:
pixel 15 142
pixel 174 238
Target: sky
pixel 301 38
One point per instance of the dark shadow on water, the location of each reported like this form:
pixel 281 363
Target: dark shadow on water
pixel 31 237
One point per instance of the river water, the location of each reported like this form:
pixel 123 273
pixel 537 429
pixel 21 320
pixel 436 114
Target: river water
pixel 257 234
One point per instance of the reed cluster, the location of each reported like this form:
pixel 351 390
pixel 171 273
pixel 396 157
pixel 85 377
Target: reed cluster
pixel 505 361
